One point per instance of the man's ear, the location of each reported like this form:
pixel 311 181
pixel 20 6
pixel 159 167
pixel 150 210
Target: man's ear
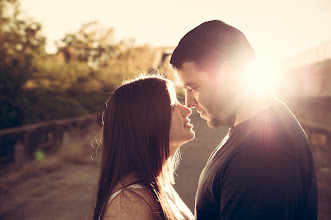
pixel 229 74
pixel 228 70
pixel 227 67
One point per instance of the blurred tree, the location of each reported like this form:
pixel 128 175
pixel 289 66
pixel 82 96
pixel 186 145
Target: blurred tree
pixel 92 44
pixel 132 60
pixel 51 74
pixel 96 46
pixel 35 86
pixel 110 61
pixel 20 40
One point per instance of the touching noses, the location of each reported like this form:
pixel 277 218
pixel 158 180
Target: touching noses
pixel 190 101
pixel 185 111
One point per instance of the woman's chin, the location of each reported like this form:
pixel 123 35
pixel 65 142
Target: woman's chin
pixel 190 137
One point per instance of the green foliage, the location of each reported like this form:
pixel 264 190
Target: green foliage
pixel 92 44
pixel 89 61
pixel 35 86
pixel 45 106
pixel 92 102
pixel 20 40
pixel 53 75
pixel 10 100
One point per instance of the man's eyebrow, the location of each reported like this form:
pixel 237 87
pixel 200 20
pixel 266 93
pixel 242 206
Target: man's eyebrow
pixel 189 85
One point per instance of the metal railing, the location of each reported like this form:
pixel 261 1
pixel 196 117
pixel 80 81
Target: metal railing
pixel 314 55
pixel 20 143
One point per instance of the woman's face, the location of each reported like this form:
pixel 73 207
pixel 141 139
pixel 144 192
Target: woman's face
pixel 180 127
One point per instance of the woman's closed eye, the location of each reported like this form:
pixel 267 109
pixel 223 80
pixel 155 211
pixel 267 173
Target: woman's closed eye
pixel 174 106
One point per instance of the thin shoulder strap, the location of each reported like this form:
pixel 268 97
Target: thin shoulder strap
pixel 133 186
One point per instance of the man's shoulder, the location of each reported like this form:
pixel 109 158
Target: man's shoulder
pixel 275 127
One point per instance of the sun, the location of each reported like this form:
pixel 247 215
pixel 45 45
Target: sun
pixel 262 78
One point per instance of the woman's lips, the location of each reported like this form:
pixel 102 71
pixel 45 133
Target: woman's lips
pixel 187 123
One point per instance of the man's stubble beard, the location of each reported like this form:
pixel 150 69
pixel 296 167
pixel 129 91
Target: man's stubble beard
pixel 214 122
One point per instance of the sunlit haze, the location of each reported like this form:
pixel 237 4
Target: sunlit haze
pixel 277 30
pixel 261 78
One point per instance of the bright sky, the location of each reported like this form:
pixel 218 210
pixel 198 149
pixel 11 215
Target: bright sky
pixel 277 29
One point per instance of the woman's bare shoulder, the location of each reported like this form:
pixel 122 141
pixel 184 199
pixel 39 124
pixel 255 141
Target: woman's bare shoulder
pixel 133 203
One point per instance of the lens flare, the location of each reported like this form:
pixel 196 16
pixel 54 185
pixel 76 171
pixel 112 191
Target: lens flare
pixel 260 79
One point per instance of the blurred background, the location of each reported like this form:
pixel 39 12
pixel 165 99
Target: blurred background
pixel 60 60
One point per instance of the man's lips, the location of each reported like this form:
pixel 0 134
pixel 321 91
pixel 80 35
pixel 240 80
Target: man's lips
pixel 199 110
pixel 201 113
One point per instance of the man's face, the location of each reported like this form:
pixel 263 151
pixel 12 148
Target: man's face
pixel 211 94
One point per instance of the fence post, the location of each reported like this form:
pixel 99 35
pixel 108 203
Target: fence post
pixel 58 137
pixel 19 155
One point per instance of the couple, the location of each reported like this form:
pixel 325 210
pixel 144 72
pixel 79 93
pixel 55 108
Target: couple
pixel 263 169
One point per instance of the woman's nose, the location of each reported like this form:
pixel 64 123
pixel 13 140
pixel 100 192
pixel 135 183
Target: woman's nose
pixel 185 111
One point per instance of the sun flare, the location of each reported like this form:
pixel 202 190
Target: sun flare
pixel 261 78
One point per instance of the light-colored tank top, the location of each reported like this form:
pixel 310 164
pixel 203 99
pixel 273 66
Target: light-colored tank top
pixel 138 186
pixel 133 186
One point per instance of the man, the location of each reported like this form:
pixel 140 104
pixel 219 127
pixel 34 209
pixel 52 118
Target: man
pixel 264 167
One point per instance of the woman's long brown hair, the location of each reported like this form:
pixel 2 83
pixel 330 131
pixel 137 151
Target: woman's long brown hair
pixel 136 124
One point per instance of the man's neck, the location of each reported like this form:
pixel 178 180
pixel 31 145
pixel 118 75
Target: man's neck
pixel 252 106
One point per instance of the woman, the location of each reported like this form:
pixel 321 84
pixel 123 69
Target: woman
pixel 143 127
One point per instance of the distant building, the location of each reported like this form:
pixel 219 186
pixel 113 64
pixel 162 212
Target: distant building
pixel 161 63
pixel 307 90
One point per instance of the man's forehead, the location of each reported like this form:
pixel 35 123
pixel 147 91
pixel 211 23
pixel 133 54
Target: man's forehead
pixel 189 74
pixel 187 81
pixel 189 66
pixel 187 70
pixel 184 77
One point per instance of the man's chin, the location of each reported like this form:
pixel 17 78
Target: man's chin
pixel 213 123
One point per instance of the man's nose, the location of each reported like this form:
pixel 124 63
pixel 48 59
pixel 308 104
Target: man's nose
pixel 190 102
